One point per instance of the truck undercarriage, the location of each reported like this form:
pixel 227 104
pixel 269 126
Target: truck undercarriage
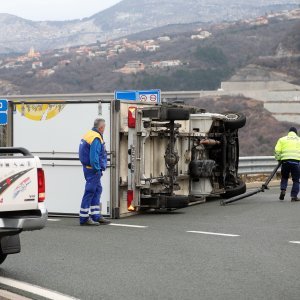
pixel 212 155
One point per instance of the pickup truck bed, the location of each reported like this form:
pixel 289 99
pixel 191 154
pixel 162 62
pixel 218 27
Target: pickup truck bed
pixel 22 195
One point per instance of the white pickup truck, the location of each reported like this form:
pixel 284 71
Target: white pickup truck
pixel 22 195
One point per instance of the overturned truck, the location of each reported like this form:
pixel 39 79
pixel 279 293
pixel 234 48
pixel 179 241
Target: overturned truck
pixel 161 156
pixel 179 154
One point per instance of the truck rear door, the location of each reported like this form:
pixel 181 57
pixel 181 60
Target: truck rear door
pixel 52 130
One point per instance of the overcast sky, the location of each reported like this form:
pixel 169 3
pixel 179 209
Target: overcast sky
pixel 39 10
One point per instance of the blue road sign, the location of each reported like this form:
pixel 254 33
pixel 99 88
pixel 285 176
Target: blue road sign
pixel 3 118
pixel 3 105
pixel 152 96
pixel 3 111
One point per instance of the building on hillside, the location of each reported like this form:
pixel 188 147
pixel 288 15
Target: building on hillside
pixel 261 21
pixel 164 38
pixel 201 36
pixel 132 67
pixel 45 73
pixel 166 63
pixel 134 47
pixel 83 50
pixel 33 54
pixel 11 65
pixel 23 59
pixel 122 50
pixel 111 56
pixel 151 48
pixel 64 62
pixel 36 64
pixel 66 50
pixel 100 53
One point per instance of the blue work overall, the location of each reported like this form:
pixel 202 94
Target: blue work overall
pixel 93 157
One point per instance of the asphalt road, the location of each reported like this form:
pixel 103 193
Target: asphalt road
pixel 164 260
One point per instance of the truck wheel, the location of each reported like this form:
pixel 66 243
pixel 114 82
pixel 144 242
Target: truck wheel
pixel 2 258
pixel 238 190
pixel 234 120
pixel 177 201
pixel 173 114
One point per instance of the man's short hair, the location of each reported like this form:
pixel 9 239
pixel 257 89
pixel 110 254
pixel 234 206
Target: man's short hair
pixel 98 122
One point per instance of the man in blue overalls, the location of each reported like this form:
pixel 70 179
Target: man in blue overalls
pixel 93 156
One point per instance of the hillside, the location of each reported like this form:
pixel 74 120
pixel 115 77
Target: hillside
pixel 286 58
pixel 255 138
pixel 126 17
pixel 178 63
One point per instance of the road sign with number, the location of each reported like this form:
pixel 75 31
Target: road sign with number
pixel 3 111
pixel 152 96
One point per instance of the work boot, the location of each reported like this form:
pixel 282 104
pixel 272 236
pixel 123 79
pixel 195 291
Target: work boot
pixel 282 194
pixel 90 222
pixel 294 199
pixel 103 221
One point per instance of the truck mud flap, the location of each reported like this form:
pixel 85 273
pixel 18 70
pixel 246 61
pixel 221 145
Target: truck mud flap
pixel 176 201
pixel 174 114
pixel 163 201
pixel 10 241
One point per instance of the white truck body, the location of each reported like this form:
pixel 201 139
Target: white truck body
pixel 162 162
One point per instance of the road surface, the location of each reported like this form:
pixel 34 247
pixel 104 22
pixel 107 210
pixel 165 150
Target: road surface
pixel 246 250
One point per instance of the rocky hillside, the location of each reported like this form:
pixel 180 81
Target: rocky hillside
pixel 286 57
pixel 202 64
pixel 126 17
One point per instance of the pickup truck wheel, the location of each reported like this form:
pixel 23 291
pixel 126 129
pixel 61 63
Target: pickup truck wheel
pixel 2 258
pixel 235 191
pixel 234 120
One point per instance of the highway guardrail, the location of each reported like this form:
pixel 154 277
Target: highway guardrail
pixel 257 164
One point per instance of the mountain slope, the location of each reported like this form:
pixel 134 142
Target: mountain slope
pixel 18 35
pixel 126 17
pixel 204 63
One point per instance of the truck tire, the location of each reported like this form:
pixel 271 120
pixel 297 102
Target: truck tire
pixel 2 258
pixel 234 120
pixel 177 201
pixel 173 114
pixel 232 192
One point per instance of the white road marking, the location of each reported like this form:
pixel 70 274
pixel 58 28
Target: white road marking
pixel 127 225
pixel 295 242
pixel 33 289
pixel 53 220
pixel 12 296
pixel 214 233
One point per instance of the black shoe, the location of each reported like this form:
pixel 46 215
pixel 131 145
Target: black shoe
pixel 282 194
pixel 294 199
pixel 90 222
pixel 103 221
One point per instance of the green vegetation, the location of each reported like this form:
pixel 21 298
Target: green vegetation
pixel 184 80
pixel 211 55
